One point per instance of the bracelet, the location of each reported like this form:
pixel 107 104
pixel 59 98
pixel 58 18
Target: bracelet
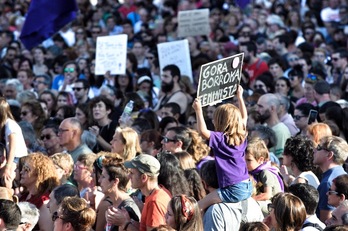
pixel 126 226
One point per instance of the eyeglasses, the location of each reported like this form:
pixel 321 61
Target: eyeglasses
pixel 319 148
pixel 312 77
pixel 77 88
pixel 151 58
pixel 79 167
pixel 187 207
pixel 270 207
pixel 60 130
pixel 298 117
pixel 331 192
pixel 69 70
pixel 55 216
pixel 47 137
pixel 335 59
pixel 293 59
pixel 25 113
pixel 167 140
pixel 39 82
pixel 191 123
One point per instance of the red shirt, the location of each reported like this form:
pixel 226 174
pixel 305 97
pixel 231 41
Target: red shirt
pixel 255 69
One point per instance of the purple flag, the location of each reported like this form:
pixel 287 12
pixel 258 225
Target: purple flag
pixel 45 18
pixel 242 3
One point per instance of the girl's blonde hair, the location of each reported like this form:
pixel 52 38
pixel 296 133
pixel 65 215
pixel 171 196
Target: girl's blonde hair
pixel 228 119
pixel 257 148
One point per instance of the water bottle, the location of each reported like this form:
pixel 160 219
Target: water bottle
pixel 127 114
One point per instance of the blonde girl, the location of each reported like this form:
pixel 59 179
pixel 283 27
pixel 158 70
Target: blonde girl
pixel 228 144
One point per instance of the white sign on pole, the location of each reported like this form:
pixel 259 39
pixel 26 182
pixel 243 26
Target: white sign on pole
pixel 193 22
pixel 178 53
pixel 111 54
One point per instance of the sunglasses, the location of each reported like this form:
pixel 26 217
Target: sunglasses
pixel 25 113
pixel 167 140
pixel 47 137
pixel 331 192
pixel 334 59
pixel 319 148
pixel 298 117
pixel 77 88
pixel 69 70
pixel 151 58
pixel 312 77
pixel 55 216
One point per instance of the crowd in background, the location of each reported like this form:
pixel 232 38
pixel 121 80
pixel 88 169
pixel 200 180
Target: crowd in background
pixel 281 140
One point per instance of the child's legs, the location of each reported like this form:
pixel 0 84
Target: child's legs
pixel 237 192
pixel 208 200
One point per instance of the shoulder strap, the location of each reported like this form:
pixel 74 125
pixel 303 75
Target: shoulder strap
pixel 315 225
pixel 244 210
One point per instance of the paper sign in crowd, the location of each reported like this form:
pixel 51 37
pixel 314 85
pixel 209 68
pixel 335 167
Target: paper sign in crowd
pixel 219 80
pixel 111 54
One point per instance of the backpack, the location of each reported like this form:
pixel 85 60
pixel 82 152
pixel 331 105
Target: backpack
pixel 314 225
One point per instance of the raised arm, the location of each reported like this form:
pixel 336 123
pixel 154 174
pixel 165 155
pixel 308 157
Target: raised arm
pixel 201 126
pixel 242 107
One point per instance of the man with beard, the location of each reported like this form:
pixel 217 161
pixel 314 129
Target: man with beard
pixel 252 65
pixel 170 87
pixel 267 108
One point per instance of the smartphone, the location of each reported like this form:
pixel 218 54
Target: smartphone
pixel 312 116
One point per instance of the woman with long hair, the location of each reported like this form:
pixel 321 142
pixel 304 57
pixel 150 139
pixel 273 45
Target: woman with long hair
pixel 12 138
pixel 126 143
pixel 39 178
pixel 286 213
pixel 183 214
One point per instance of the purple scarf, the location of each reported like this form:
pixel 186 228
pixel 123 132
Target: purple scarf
pixel 267 166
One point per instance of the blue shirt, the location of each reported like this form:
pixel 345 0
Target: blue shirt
pixel 325 185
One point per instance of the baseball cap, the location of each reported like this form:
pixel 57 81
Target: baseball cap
pixel 145 163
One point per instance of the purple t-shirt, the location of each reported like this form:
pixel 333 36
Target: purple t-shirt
pixel 230 160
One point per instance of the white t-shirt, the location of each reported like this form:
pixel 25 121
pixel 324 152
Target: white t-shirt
pixel 11 127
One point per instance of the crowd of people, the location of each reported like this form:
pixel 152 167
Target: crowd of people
pixel 273 157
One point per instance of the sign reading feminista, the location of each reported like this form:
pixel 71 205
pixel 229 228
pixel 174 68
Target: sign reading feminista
pixel 219 80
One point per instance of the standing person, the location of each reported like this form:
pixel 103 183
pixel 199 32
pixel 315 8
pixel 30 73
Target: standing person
pixel 183 214
pixel 170 87
pixel 12 138
pixel 113 182
pixel 309 195
pixel 267 108
pixel 143 173
pixel 10 215
pixel 69 133
pixel 329 155
pixel 286 212
pixel 228 144
pixel 100 108
pixel 298 156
